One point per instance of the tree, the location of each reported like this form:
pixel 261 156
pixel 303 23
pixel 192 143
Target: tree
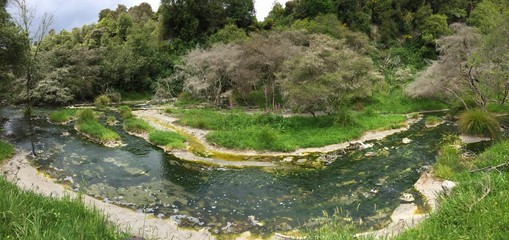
pixel 240 12
pixel 313 8
pixel 452 76
pixel 13 45
pixel 25 19
pixel 325 76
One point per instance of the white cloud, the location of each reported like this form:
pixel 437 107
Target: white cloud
pixel 76 13
pixel 263 7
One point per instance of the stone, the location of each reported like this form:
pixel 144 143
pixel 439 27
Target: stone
pixel 287 159
pixel 448 186
pixel 407 197
pixel 370 154
pixel 302 161
pixel 406 140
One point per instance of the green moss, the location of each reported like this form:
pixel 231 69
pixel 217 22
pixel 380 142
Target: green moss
pixel 168 139
pixel 26 215
pixel 62 115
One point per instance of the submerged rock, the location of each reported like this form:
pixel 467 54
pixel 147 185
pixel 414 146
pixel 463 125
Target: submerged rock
pixel 370 154
pixel 406 140
pixel 407 197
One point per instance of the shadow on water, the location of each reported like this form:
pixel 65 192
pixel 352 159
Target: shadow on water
pixel 142 177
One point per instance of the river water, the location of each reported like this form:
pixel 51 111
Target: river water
pixel 361 189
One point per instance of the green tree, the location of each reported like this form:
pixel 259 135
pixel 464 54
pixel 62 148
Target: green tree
pixel 325 76
pixel 434 27
pixel 13 45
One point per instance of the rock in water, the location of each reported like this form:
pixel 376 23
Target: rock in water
pixel 406 140
pixel 407 197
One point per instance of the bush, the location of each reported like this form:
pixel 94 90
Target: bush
pixel 6 151
pixel 477 122
pixel 168 139
pixel 62 115
pixel 125 112
pixel 137 125
pixel 86 115
pixel 102 101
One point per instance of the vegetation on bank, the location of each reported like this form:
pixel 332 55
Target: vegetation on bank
pixel 62 115
pixel 6 151
pixel 137 125
pixel 88 124
pixel 170 140
pixel 277 133
pixel 27 215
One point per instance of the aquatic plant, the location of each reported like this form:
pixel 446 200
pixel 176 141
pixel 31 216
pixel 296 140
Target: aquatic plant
pixel 125 112
pixel 477 122
pixel 62 115
pixel 137 125
pixel 168 139
pixel 86 115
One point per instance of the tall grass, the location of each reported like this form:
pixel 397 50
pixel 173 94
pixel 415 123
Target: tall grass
pixel 477 122
pixel 275 132
pixel 62 115
pixel 125 112
pixel 137 125
pixel 169 139
pixel 102 101
pixel 6 151
pixel 26 215
pixel 89 125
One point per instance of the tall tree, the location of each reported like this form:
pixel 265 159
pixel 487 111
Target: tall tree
pixel 12 46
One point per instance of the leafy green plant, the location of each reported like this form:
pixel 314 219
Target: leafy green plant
pixel 168 139
pixel 62 115
pixel 477 122
pixel 137 125
pixel 102 101
pixel 6 150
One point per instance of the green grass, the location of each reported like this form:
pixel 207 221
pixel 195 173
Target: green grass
pixel 168 139
pixel 6 151
pixel 478 207
pixel 89 125
pixel 137 125
pixel 274 132
pixel 497 108
pixel 397 102
pixel 432 120
pixel 477 122
pixel 26 215
pixel 62 115
pixel 125 112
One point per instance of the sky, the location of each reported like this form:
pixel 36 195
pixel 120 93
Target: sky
pixel 76 13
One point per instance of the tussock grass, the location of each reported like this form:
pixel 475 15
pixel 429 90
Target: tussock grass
pixel 277 133
pixel 169 139
pixel 137 125
pixel 89 125
pixel 477 122
pixel 62 115
pixel 125 112
pixel 102 101
pixel 6 151
pixel 26 215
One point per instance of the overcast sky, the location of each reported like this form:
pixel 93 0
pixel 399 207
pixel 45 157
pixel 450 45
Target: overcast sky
pixel 76 13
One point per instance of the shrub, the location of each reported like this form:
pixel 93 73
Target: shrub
pixel 102 101
pixel 62 115
pixel 125 112
pixel 478 123
pixel 86 115
pixel 169 139
pixel 137 125
pixel 6 150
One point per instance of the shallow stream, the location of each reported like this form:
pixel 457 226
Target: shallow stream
pixel 142 177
